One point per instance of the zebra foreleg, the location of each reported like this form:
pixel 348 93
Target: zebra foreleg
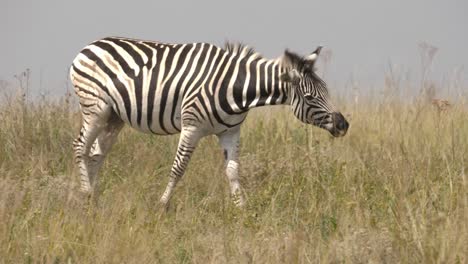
pixel 188 141
pixel 229 141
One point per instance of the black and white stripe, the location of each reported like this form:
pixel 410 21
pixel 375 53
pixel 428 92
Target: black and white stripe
pixel 193 89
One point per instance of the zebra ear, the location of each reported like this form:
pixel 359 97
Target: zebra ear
pixel 291 59
pixel 314 55
pixel 290 76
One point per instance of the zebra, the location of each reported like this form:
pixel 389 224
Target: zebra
pixel 195 89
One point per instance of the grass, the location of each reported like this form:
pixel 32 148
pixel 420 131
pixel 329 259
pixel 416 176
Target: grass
pixel 394 190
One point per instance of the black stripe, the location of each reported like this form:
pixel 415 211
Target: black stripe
pixel 209 59
pixel 252 91
pixel 203 55
pixel 145 49
pixel 81 89
pixel 264 91
pixel 181 81
pixel 168 62
pixel 117 56
pixel 119 85
pixel 98 83
pixel 138 80
pixel 197 110
pixel 223 102
pixel 153 87
pixel 130 50
pixel 208 105
pixel 205 108
pixel 212 98
pixel 167 86
pixel 239 84
pixel 276 91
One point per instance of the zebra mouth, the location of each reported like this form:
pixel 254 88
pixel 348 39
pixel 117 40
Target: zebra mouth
pixel 335 123
pixel 337 133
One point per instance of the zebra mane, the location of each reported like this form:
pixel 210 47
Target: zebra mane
pixel 293 60
pixel 239 48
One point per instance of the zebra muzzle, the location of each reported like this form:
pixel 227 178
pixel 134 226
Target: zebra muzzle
pixel 340 125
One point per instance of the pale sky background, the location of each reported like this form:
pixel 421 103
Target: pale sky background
pixel 365 36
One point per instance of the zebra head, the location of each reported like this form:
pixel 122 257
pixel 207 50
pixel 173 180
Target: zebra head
pixel 309 94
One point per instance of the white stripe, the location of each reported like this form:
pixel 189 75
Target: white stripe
pixel 129 84
pixel 247 80
pixel 192 69
pixel 269 89
pixel 156 126
pixel 220 81
pixel 257 84
pixel 127 57
pixel 138 50
pixel 103 78
pixel 145 90
pixel 273 76
pixel 191 88
pixel 175 81
pixel 218 66
pixel 230 88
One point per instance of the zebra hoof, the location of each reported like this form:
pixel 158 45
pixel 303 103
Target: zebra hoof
pixel 238 200
pixel 162 209
pixel 85 189
pixel 87 193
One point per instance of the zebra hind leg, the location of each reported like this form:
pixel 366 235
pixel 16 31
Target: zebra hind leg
pixel 101 147
pixel 95 119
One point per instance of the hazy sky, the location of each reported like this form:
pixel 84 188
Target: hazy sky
pixel 364 35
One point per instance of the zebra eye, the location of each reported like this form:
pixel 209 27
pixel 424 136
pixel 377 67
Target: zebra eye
pixel 308 97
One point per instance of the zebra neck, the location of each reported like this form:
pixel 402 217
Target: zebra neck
pixel 262 85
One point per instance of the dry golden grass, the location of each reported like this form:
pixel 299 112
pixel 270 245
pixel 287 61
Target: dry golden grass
pixel 394 190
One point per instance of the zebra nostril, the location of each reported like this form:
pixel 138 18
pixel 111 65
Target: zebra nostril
pixel 340 122
pixel 346 124
pixel 340 126
pixel 343 125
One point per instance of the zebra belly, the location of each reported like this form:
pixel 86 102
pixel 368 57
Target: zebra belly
pixel 165 125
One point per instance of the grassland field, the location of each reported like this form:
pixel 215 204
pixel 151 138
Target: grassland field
pixel 393 190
